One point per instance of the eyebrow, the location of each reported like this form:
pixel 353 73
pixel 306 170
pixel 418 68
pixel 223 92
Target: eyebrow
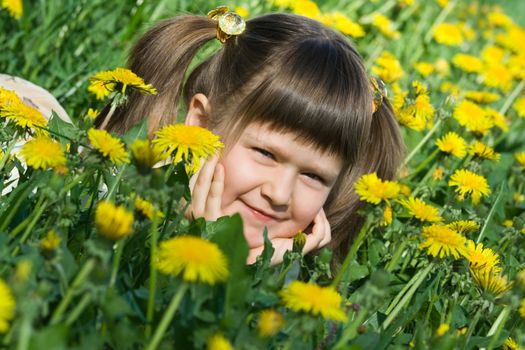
pixel 327 175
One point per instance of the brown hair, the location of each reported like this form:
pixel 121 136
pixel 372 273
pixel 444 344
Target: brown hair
pixel 286 71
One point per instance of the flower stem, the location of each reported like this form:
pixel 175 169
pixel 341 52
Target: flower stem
pixel 73 315
pixel 497 327
pixel 439 19
pixel 81 276
pixel 506 105
pixel 490 215
pixel 351 254
pixel 407 296
pixel 107 118
pixel 424 163
pixel 116 263
pixel 8 150
pixel 397 254
pixel 152 275
pixel 351 331
pixel 168 316
pixel 422 142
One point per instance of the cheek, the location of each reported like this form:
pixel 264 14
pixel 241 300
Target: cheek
pixel 307 206
pixel 237 176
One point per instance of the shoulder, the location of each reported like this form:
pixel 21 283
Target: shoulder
pixel 34 96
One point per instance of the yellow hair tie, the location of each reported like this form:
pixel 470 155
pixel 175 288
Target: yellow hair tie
pixel 379 91
pixel 228 23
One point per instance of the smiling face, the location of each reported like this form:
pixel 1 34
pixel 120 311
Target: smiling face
pixel 275 181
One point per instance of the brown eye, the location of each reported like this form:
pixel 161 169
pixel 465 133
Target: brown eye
pixel 315 177
pixel 264 152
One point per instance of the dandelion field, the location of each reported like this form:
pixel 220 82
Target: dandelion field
pixel 94 244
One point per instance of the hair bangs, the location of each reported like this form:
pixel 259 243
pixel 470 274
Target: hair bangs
pixel 314 94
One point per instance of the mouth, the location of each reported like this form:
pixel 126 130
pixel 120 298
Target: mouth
pixel 259 214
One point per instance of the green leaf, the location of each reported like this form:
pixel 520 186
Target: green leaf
pixel 138 131
pixel 230 238
pixel 61 129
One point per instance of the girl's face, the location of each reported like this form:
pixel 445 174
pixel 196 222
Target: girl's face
pixel 275 181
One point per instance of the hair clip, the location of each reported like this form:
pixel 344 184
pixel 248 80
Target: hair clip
pixel 379 91
pixel 228 23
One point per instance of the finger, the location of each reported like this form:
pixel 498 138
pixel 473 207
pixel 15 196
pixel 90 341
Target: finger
pixel 202 186
pixel 213 203
pixel 253 254
pixel 320 233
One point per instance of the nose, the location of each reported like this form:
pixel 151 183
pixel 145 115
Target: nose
pixel 278 187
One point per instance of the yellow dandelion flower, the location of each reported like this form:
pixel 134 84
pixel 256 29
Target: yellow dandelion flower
pixel 187 140
pixel 100 90
pixel 467 63
pixel 470 183
pixel 481 96
pixel 507 223
pixel 498 75
pixel 50 242
pixel 497 118
pixel 441 241
pixel 92 113
pixel 513 39
pixel 270 323
pixel 510 344
pixel 492 54
pixel 519 106
pixel 480 150
pixel 7 97
pixel 518 197
pixel 107 145
pixel 450 88
pixel 442 3
pixel 437 174
pixel 520 278
pixel 14 7
pixel 147 208
pixel 218 342
pixel 387 215
pixel 442 67
pixel 7 306
pixel 516 65
pixel 113 221
pixel 146 154
pixel 499 19
pixel 464 226
pixel 422 106
pixel 442 329
pixel 23 270
pixel 491 281
pixel 43 153
pixel 421 210
pixel 372 189
pixel 522 308
pixel 448 34
pixel 473 117
pixel 452 144
pixel 195 259
pixel 468 33
pixel 105 82
pixel 424 68
pixel 405 190
pixel 482 258
pixel 242 11
pixel 313 299
pixel 385 26
pixel 23 115
pixel 388 68
pixel 520 157
pixel 306 8
pixel 345 25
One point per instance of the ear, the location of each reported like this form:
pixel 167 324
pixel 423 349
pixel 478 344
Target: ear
pixel 198 111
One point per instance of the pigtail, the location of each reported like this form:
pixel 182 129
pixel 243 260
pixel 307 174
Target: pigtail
pixel 383 154
pixel 161 57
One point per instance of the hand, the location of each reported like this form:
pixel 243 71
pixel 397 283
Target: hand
pixel 319 236
pixel 206 187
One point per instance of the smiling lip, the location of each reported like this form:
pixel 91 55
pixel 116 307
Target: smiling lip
pixel 259 214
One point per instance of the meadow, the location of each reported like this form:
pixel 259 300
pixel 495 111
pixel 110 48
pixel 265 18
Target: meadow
pixel 92 237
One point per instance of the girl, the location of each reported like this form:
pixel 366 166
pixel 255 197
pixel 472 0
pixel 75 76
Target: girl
pixel 299 117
